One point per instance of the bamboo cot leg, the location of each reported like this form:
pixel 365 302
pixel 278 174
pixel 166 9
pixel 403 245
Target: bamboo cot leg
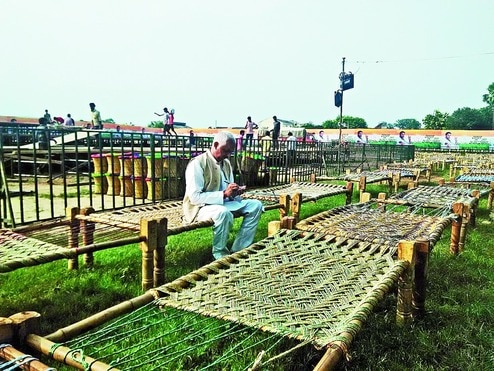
pixel 474 208
pixel 331 357
pixel 295 206
pixel 349 193
pixel 6 330
pixel 159 276
pixel 25 323
pixel 465 220
pixel 365 197
pixel 420 282
pixel 396 181
pixel 149 230
pixel 273 227
pixel 284 206
pixel 288 222
pixel 456 228
pixel 87 230
pixel 382 197
pixel 74 224
pixel 362 184
pixel 491 196
pixel 404 313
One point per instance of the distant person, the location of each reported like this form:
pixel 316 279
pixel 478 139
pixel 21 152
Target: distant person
pixel 402 140
pixel 275 133
pixel 166 120
pixel 47 117
pixel 69 121
pixel 360 138
pixel 291 147
pixel 266 142
pixel 96 121
pixel 211 193
pixel 249 134
pixel 192 138
pixel 43 134
pixel 240 140
pixel 171 121
pixel 59 120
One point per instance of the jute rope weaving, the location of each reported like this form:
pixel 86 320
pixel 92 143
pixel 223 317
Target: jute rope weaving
pixel 17 250
pixel 317 289
pixel 310 191
pixel 378 225
pixel 435 196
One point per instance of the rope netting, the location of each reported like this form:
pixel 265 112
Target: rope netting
pixel 310 191
pixel 282 293
pixel 381 224
pixel 436 196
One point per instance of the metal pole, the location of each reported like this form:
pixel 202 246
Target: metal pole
pixel 341 114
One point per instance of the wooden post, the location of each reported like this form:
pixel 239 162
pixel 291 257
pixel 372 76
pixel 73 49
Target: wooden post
pixel 295 206
pixel 420 282
pixel 87 230
pixel 456 228
pixel 396 181
pixel 313 178
pixel 284 205
pixel 349 193
pixel 442 181
pixel 404 314
pixel 365 197
pixel 73 238
pixel 148 229
pixel 273 227
pixel 382 197
pixel 25 323
pixel 491 196
pixel 288 222
pixel 159 277
pixel 6 330
pixel 362 184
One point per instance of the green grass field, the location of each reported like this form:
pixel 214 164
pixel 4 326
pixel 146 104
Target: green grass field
pixel 456 334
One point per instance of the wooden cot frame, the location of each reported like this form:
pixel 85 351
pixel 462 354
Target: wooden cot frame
pixel 410 251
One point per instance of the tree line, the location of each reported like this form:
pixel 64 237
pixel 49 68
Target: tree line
pixel 462 119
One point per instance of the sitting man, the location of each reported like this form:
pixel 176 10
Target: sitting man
pixel 211 193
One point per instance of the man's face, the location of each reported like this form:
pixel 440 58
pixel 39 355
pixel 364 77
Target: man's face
pixel 223 151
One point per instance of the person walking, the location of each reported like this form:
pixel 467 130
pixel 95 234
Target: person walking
pixel 171 121
pixel 275 133
pixel 211 193
pixel 166 120
pixel 47 117
pixel 291 146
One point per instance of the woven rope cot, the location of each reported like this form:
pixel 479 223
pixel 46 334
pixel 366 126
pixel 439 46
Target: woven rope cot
pixel 368 222
pixel 18 250
pixel 315 288
pixel 437 196
pixel 310 191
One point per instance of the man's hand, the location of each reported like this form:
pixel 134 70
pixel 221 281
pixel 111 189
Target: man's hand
pixel 233 190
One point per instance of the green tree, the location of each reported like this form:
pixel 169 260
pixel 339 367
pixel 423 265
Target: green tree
pixel 109 121
pixel 407 124
pixel 436 121
pixel 349 122
pixel 385 125
pixel 467 118
pixel 489 99
pixel 156 124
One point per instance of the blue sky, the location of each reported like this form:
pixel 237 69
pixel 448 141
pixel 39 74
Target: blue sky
pixel 216 62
